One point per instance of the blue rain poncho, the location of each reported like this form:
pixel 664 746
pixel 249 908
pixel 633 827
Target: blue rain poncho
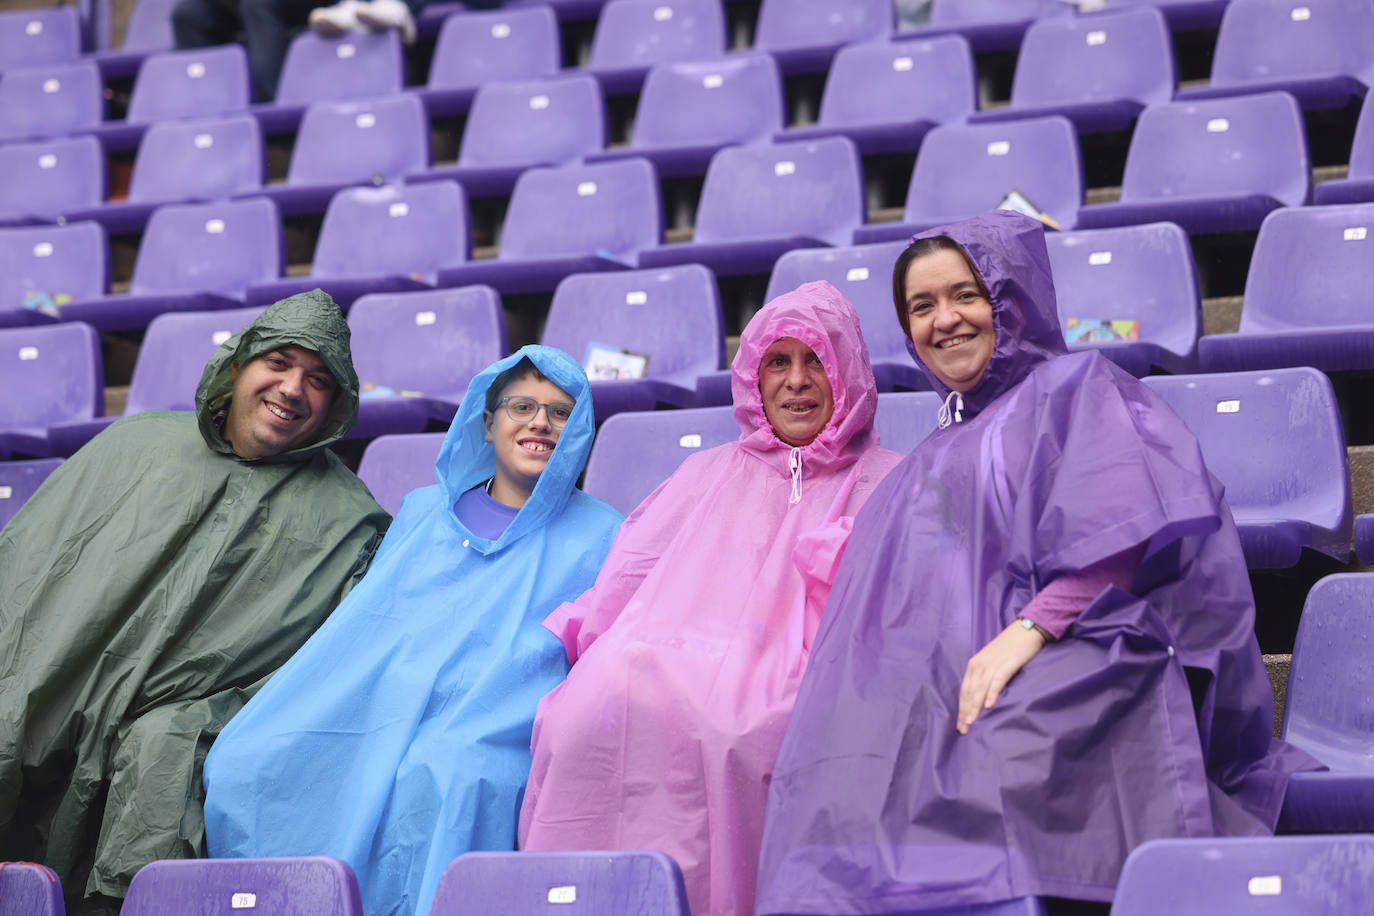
pixel 398 737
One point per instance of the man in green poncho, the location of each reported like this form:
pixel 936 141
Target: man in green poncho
pixel 155 580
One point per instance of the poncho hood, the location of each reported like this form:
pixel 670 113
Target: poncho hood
pixel 466 459
pixel 1008 251
pixel 821 317
pixel 311 320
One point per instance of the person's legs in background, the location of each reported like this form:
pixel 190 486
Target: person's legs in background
pixel 202 23
pixel 268 26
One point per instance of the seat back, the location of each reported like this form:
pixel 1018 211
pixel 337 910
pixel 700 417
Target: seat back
pixel 150 27
pixel 173 354
pixel 631 33
pixel 381 139
pixel 392 466
pixel 635 452
pixel 355 65
pixel 955 13
pixel 1276 876
pixel 53 100
pixel 402 230
pixel 45 267
pixel 27 889
pixel 1118 54
pixel 671 315
pixel 1265 40
pixel 927 80
pixel 905 418
pixel 1273 438
pixel 610 208
pixel 481 47
pixel 964 170
pixel 33 38
pixel 51 177
pixel 200 83
pixel 808 188
pixel 864 274
pixel 1252 144
pixel 430 342
pixel 1311 269
pixel 733 100
pixel 550 121
pixel 1107 280
pixel 1362 148
pixel 287 886
pixel 59 370
pixel 207 159
pixel 788 24
pixel 222 247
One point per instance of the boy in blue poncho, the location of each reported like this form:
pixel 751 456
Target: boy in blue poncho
pixel 398 737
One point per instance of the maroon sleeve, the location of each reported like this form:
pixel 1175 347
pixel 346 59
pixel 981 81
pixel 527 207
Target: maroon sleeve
pixel 1056 606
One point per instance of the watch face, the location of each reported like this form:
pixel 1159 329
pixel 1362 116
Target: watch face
pixel 1027 623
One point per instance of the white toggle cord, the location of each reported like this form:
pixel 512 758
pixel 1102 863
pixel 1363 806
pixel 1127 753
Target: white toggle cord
pixel 943 417
pixel 794 463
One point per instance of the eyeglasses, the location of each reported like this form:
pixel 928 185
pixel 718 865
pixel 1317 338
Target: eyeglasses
pixel 524 410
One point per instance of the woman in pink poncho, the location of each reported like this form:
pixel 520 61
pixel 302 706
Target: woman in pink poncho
pixel 688 651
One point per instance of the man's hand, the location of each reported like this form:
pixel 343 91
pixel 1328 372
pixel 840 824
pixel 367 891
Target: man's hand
pixel 991 668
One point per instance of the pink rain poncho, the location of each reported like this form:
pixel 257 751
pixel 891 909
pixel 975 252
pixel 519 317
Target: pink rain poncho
pixel 688 651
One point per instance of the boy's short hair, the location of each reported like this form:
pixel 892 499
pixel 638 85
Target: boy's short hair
pixel 509 376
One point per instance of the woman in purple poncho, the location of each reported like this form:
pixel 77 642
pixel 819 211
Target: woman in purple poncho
pixel 1038 652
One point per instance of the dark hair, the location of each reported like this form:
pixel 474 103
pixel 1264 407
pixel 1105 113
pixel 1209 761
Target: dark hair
pixel 919 249
pixel 510 376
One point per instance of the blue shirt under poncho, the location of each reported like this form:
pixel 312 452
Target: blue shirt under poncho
pixel 398 737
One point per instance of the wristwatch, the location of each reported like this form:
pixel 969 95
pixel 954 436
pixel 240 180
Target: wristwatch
pixel 1028 624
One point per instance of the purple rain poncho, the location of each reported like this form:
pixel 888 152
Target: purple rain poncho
pixel 688 651
pixel 877 805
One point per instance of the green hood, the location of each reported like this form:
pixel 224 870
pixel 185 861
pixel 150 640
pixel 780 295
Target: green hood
pixel 311 320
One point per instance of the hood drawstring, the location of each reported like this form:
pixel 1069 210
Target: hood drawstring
pixel 943 417
pixel 794 463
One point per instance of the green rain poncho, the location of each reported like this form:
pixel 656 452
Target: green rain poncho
pixel 145 590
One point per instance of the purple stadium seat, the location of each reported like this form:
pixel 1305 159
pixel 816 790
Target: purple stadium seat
pixel 688 112
pixel 1213 166
pixel 1358 186
pixel 569 220
pixel 886 97
pixel 1364 538
pixel 33 38
pixel 805 34
pixel 964 170
pixel 483 47
pixel 1275 876
pixel 47 179
pixel 1326 712
pixel 1322 52
pixel 760 201
pixel 185 161
pixel 352 143
pixel 1131 293
pixel 45 267
pixel 148 31
pixel 304 886
pixel 516 125
pixel 55 100
pixel 1098 71
pixel 566 10
pixel 1184 15
pixel 990 25
pixel 58 369
pixel 1274 439
pixel 635 452
pixel 26 888
pixel 632 36
pixel 355 65
pixel 905 418
pixel 381 240
pixel 1306 296
pixel 171 359
pixel 193 258
pixel 200 83
pixel 416 352
pixel 671 315
pixel 392 466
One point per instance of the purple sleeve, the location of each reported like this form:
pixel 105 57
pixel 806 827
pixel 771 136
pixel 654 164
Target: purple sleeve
pixel 1056 606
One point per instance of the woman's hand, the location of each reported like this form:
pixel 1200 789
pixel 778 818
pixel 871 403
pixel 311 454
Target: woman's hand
pixel 991 668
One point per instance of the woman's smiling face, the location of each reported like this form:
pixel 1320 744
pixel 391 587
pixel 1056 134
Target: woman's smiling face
pixel 949 317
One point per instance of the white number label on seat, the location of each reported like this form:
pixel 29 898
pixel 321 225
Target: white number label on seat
pixel 1099 258
pixel 691 440
pixel 1228 406
pixel 42 250
pixel 28 353
pixel 999 147
pixel 636 297
pixel 1356 234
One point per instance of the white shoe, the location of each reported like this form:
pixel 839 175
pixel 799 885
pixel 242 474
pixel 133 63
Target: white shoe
pixel 335 20
pixel 388 14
